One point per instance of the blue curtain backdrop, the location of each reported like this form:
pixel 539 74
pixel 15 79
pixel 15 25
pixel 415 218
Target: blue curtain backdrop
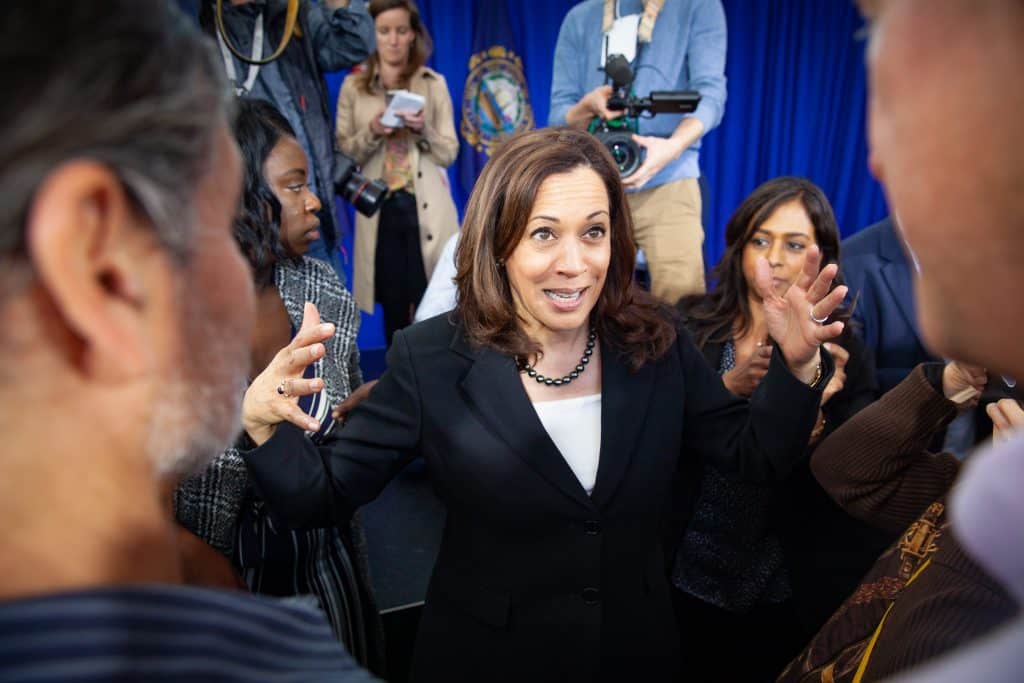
pixel 796 103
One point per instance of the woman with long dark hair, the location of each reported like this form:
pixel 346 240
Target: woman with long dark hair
pixel 276 224
pixel 767 565
pixel 396 249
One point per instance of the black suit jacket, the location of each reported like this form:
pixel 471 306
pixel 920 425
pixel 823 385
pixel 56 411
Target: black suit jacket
pixel 535 580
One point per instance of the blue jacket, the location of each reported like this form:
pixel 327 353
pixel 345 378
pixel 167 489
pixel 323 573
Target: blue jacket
pixel 686 52
pixel 877 271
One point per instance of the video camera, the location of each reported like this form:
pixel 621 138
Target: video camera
pixel 617 134
pixel 355 188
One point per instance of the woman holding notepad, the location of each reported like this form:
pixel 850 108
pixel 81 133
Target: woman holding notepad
pixel 397 249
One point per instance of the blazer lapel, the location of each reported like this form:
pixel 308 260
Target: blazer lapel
pixel 897 277
pixel 624 404
pixel 494 387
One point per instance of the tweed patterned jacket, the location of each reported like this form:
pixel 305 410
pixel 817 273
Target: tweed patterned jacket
pixel 208 504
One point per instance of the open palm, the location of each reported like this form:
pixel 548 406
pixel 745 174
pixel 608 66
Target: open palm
pixel 789 317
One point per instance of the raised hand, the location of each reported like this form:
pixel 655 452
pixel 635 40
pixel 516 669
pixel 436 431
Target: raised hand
pixel 272 397
pixel 796 321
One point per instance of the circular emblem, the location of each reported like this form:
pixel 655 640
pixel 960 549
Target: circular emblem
pixel 495 102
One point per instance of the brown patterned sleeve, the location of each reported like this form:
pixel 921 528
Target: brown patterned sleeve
pixel 877 465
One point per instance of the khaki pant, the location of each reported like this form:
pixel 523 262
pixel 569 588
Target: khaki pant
pixel 667 226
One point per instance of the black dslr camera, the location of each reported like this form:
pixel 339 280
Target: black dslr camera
pixel 617 134
pixel 355 188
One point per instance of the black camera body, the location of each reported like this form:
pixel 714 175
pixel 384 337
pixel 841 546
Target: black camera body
pixel 355 188
pixel 617 134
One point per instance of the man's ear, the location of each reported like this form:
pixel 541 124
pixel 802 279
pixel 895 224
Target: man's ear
pixel 88 247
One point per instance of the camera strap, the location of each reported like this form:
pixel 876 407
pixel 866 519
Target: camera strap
pixel 648 18
pixel 256 53
pixel 291 19
pixel 652 8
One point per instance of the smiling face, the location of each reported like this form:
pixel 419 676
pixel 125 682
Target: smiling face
pixel 394 36
pixel 558 268
pixel 783 238
pixel 285 172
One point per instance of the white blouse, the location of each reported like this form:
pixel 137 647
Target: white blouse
pixel 574 424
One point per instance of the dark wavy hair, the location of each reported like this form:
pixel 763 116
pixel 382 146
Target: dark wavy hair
pixel 626 317
pixel 257 129
pixel 419 52
pixel 724 312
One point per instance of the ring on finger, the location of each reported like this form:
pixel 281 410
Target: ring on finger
pixel 282 389
pixel 820 321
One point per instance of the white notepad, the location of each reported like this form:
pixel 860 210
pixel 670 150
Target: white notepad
pixel 401 100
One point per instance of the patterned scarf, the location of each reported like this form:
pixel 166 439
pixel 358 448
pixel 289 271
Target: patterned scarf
pixel 651 10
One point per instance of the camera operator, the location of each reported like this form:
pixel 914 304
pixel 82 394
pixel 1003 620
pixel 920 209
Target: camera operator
pixel 328 36
pixel 673 45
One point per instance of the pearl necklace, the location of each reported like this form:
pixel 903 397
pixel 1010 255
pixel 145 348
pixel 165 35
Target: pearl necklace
pixel 562 381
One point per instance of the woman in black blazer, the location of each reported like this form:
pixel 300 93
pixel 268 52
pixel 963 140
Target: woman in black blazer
pixel 552 566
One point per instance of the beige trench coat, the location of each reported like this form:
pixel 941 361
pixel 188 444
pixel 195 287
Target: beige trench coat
pixel 432 153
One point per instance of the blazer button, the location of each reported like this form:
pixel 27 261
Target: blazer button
pixel 592 527
pixel 424 205
pixel 429 237
pixel 419 174
pixel 591 596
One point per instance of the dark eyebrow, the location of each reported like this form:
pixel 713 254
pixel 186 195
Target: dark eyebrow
pixel 555 220
pixel 294 172
pixel 785 234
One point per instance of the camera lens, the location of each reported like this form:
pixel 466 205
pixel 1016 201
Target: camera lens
pixel 625 152
pixel 363 193
pixel 622 154
pixel 355 188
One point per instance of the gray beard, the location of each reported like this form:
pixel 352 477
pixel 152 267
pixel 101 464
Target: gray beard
pixel 199 414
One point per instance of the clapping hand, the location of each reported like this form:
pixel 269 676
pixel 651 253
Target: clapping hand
pixel 743 379
pixel 272 397
pixel 796 320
